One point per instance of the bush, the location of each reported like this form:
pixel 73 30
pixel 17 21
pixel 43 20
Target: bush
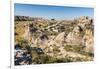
pixel 73 59
pixel 56 50
pixel 74 48
pixel 23 43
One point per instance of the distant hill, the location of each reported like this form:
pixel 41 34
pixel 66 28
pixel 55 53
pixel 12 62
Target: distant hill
pixel 25 18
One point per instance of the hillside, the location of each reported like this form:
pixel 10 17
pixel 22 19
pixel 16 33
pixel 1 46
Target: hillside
pixel 44 41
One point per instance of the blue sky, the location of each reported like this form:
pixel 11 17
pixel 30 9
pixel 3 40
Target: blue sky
pixel 49 12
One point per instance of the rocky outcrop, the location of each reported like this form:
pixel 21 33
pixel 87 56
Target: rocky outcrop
pixel 59 39
pixel 74 37
pixel 89 41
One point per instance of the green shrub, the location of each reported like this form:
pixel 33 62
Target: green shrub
pixel 23 43
pixel 56 49
pixel 74 48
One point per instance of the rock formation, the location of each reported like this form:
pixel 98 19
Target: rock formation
pixel 67 40
pixel 89 40
pixel 74 37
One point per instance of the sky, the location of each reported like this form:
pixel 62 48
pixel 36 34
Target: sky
pixel 50 12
